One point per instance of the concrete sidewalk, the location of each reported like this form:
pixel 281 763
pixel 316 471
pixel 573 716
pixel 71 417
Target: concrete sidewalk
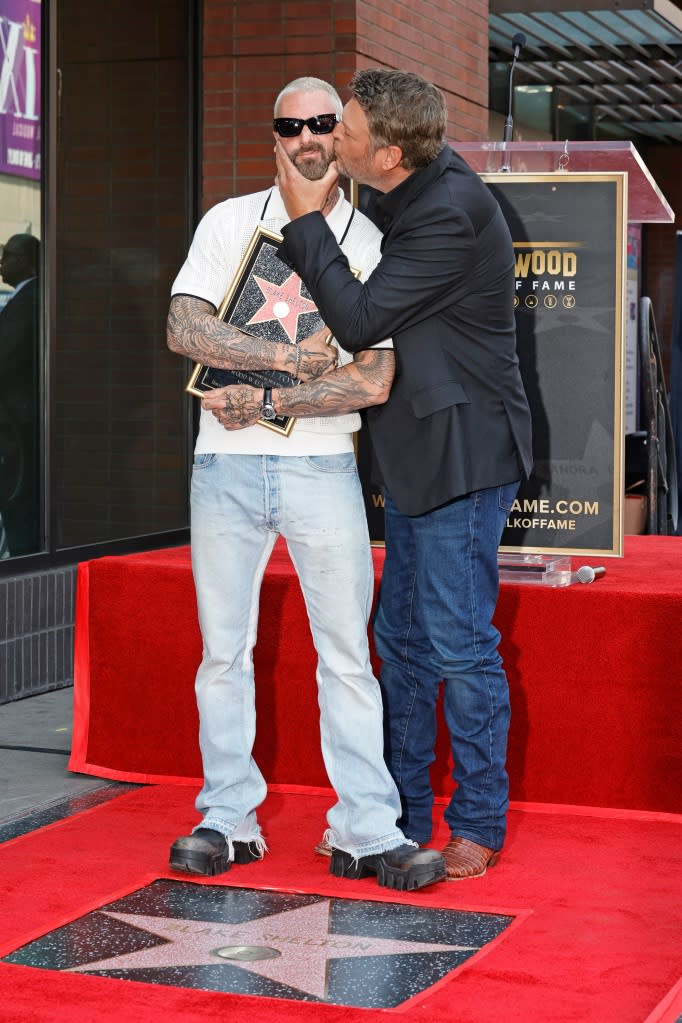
pixel 36 787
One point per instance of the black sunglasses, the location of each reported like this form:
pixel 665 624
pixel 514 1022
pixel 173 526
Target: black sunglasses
pixel 290 127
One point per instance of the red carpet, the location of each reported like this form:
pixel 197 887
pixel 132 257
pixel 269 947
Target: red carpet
pixel 593 674
pixel 596 896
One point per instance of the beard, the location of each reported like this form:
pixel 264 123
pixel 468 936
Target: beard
pixel 313 170
pixel 358 170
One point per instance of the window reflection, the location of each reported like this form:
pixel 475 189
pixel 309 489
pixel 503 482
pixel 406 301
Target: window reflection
pixel 20 296
pixel 119 429
pixel 19 334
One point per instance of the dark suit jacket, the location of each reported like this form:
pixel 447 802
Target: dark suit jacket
pixel 18 352
pixel 457 418
pixel 19 419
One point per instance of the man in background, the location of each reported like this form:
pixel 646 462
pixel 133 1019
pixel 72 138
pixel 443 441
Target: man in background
pixel 19 397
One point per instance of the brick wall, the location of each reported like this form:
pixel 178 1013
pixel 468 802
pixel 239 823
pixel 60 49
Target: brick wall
pixel 445 41
pixel 252 50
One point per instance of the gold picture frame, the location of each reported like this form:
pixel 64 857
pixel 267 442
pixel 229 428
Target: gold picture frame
pixel 266 299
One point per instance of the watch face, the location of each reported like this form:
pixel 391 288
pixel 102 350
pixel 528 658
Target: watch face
pixel 268 412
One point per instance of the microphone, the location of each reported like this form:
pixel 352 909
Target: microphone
pixel 518 42
pixel 587 574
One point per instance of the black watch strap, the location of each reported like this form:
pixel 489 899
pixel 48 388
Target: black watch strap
pixel 267 408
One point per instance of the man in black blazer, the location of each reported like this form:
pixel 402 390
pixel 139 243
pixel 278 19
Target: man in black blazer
pixel 19 389
pixel 452 441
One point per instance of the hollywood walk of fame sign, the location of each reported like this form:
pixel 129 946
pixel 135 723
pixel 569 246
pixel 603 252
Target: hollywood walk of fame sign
pixel 569 232
pixel 268 300
pixel 270 944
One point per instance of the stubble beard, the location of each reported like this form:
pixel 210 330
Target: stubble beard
pixel 313 170
pixel 339 163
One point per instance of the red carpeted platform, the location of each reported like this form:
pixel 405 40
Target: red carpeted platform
pixel 594 672
pixel 594 896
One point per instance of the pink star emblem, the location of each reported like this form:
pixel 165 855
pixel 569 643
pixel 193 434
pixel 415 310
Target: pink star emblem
pixel 293 947
pixel 284 303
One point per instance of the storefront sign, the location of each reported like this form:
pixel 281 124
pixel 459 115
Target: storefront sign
pixel 20 88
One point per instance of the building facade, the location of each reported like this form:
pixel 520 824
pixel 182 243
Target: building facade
pixel 122 123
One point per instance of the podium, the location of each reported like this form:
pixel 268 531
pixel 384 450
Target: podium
pixel 646 203
pixel 567 205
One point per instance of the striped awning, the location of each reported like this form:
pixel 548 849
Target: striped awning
pixel 621 59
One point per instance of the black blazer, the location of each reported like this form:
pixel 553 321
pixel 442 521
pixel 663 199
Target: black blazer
pixel 19 419
pixel 457 418
pixel 18 353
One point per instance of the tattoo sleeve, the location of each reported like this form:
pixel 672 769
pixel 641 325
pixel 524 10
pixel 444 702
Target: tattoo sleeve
pixel 365 381
pixel 194 330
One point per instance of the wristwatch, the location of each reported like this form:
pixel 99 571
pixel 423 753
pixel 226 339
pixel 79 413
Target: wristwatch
pixel 267 409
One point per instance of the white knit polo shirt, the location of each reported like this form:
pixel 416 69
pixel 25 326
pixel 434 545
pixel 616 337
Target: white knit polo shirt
pixel 219 244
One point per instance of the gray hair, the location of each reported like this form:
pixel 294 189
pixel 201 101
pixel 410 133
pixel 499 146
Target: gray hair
pixel 313 85
pixel 404 110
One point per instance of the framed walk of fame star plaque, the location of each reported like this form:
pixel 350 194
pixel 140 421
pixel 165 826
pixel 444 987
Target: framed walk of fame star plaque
pixel 268 300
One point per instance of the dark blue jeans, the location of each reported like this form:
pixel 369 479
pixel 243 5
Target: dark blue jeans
pixel 433 624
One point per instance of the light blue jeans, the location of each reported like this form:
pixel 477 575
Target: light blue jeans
pixel 240 504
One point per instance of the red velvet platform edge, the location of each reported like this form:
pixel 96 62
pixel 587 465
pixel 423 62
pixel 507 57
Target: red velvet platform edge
pixel 78 761
pixel 670 1009
pixel 81 677
pixel 596 715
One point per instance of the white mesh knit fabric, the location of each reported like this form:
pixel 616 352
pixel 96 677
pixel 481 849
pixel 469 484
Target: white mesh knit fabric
pixel 217 249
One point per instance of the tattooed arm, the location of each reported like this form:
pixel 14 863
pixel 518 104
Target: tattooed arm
pixel 364 381
pixel 195 331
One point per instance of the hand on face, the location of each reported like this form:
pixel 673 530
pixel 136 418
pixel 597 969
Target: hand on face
pixel 300 194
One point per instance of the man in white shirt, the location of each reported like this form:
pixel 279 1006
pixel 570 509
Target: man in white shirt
pixel 251 485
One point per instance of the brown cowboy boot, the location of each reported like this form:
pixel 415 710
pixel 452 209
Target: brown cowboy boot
pixel 464 859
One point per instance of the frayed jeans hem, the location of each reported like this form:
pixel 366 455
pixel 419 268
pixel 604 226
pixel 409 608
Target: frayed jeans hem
pixel 373 848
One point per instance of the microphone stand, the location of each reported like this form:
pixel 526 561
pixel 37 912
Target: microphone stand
pixel 518 42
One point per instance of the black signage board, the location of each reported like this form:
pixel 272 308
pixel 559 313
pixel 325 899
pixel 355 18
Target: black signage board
pixel 569 241
pixel 569 235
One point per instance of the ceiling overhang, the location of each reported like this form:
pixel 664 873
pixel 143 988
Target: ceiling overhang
pixel 622 59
